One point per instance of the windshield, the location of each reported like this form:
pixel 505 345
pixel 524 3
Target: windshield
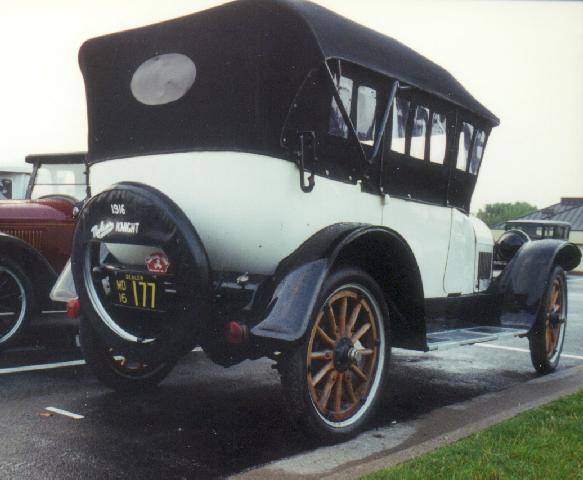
pixel 60 179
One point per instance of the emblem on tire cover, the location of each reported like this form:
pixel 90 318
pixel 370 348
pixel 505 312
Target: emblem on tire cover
pixel 157 262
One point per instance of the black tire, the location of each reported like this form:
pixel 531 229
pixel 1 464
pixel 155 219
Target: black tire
pixel 16 298
pixel 111 371
pixel 352 411
pixel 548 335
pixel 159 335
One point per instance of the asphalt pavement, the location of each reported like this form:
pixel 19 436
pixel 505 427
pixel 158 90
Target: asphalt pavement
pixel 207 422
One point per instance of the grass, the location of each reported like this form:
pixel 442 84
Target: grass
pixel 545 443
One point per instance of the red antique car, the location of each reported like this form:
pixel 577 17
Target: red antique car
pixel 35 238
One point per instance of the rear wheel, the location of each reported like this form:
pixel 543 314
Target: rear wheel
pixel 334 379
pixel 547 338
pixel 16 301
pixel 118 369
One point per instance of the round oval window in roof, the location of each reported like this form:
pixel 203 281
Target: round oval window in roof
pixel 163 79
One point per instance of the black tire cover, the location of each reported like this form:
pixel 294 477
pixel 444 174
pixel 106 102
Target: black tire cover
pixel 155 220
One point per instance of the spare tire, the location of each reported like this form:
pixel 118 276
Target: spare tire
pixel 152 310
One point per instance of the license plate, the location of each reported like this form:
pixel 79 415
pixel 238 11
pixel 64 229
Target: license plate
pixel 136 290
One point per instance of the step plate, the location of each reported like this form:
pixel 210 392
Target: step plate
pixel 468 336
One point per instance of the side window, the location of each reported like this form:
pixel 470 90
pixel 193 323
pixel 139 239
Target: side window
pixel 477 152
pixel 399 131
pixel 365 114
pixel 337 125
pixel 419 133
pixel 465 142
pixel 438 138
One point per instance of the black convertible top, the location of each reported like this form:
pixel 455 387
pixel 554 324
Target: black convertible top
pixel 250 57
pixel 339 37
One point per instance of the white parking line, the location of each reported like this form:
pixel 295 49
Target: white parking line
pixel 51 366
pixel 514 349
pixel 65 413
pixel 45 366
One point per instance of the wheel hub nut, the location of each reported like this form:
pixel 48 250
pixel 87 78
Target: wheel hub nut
pixel 353 356
pixel 342 354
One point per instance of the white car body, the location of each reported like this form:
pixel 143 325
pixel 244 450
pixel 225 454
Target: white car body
pixel 249 223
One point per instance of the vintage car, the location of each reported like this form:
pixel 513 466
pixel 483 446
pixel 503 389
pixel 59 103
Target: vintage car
pixel 273 180
pixel 14 180
pixel 540 229
pixel 35 239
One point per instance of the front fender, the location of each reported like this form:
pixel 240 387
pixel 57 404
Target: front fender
pixel 34 263
pixel 524 281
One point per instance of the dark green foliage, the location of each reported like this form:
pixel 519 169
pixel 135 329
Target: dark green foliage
pixel 495 213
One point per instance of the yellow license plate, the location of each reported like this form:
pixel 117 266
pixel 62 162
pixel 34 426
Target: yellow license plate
pixel 135 290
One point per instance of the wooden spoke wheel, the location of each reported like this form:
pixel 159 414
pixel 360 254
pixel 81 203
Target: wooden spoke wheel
pixel 342 354
pixel 554 318
pixel 16 301
pixel 118 369
pixel 334 378
pixel 548 335
pixel 127 365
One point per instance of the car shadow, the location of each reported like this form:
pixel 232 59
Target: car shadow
pixel 208 421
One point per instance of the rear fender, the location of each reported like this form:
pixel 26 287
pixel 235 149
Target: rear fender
pixel 289 304
pixel 524 281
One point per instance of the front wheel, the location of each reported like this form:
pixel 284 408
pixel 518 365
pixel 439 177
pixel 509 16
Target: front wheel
pixel 548 335
pixel 17 301
pixel 120 370
pixel 333 380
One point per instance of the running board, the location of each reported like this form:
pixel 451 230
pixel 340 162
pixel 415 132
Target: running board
pixel 468 336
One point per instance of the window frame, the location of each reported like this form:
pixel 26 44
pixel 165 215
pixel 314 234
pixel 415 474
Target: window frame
pixel 423 181
pixel 447 137
pixel 360 77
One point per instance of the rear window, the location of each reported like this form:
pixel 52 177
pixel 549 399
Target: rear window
pixel 163 79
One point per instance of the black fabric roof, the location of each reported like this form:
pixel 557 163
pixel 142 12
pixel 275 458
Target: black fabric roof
pixel 342 38
pixel 251 58
pixel 569 210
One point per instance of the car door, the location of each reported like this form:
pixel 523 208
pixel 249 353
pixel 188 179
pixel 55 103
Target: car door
pixel 416 176
pixel 460 272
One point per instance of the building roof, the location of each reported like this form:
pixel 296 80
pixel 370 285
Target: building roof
pixel 569 210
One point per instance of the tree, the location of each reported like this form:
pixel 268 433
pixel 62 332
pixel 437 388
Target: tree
pixel 495 213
